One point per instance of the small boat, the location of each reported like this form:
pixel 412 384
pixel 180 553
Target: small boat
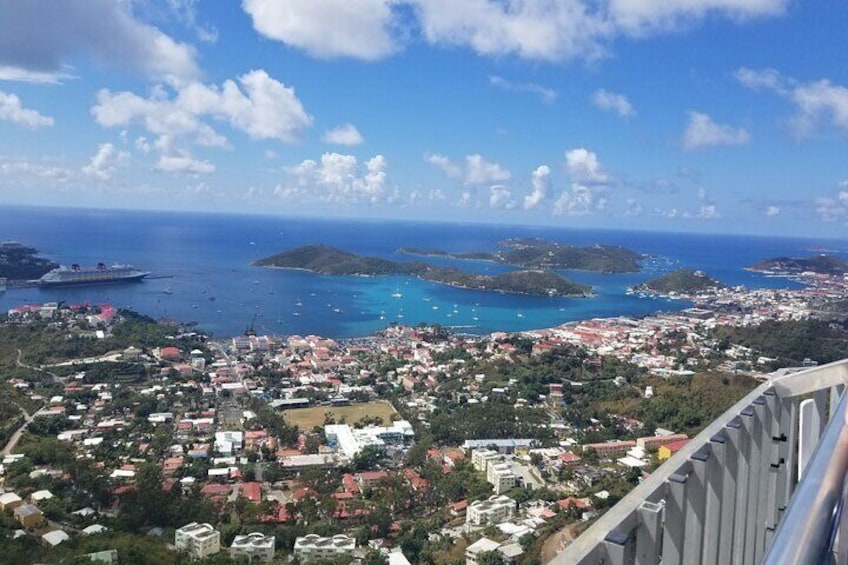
pixel 168 291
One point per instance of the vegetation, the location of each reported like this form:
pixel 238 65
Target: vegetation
pixel 532 253
pixel 330 261
pixel 21 262
pixel 790 342
pixel 681 281
pixel 824 264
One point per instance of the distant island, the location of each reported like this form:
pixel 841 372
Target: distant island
pixel 331 261
pixel 822 264
pixel 681 281
pixel 534 253
pixel 21 262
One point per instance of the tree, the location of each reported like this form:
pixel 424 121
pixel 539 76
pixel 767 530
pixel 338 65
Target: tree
pixel 490 558
pixel 368 458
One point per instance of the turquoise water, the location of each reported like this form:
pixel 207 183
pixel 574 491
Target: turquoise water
pixel 207 258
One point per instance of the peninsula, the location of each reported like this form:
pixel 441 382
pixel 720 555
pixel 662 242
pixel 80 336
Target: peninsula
pixel 326 260
pixel 21 262
pixel 533 253
pixel 821 264
pixel 681 281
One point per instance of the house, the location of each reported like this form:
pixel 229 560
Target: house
pixel 253 492
pixel 313 548
pixel 482 545
pixel 40 496
pixel 491 511
pixel 28 516
pixel 10 501
pixel 94 529
pixel 669 449
pixel 54 538
pixel 255 545
pixel 198 540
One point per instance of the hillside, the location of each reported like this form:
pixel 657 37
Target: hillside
pixel 823 264
pixel 20 262
pixel 331 261
pixel 681 281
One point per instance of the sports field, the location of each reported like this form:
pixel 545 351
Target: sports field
pixel 308 418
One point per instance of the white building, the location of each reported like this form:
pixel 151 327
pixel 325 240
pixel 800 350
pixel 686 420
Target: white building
pixel 350 441
pixel 313 547
pixel 480 458
pixel 500 476
pixel 491 511
pixel 199 540
pixel 482 545
pixel 228 443
pixel 253 546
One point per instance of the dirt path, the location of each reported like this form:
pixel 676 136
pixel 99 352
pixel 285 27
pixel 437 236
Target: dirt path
pixel 558 541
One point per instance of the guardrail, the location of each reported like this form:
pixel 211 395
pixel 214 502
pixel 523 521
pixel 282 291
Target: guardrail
pixel 722 498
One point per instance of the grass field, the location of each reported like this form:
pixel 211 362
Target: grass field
pixel 308 418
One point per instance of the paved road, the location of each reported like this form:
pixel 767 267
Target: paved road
pixel 13 441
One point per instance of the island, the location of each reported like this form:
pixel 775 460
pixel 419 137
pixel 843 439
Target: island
pixel 537 253
pixel 680 282
pixel 821 264
pixel 21 262
pixel 326 260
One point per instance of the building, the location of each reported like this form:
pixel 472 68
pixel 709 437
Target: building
pixel 253 546
pixel 28 516
pixel 500 476
pixel 482 545
pixel 10 501
pixel 669 449
pixel 480 458
pixel 652 443
pixel 491 511
pixel 502 445
pixel 610 449
pixel 54 538
pixel 350 441
pixel 198 540
pixel 312 548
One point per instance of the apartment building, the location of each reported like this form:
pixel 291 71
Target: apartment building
pixel 500 476
pixel 312 547
pixel 198 540
pixel 253 546
pixel 493 510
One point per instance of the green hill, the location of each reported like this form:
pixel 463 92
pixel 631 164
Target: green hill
pixel 681 281
pixel 17 261
pixel 823 264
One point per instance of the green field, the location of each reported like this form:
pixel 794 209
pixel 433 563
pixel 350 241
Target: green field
pixel 308 418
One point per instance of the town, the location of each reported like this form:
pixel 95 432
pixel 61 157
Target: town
pixel 127 440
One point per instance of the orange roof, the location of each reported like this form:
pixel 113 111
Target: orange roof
pixel 675 446
pixel 252 491
pixel 576 502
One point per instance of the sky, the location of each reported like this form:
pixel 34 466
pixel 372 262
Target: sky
pixel 725 116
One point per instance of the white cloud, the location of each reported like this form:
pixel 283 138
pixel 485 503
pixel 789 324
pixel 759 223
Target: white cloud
pixel 38 77
pixel 633 208
pixel 702 131
pixel 344 135
pixel 184 163
pixel 13 111
pixel 501 197
pixel 833 208
pixel 547 95
pixel 612 102
pixel 641 17
pixel 584 168
pixel 475 171
pixel 39 37
pixel 104 162
pixel 816 103
pixel 709 212
pixel 52 173
pixel 361 29
pixel 771 211
pixel 339 179
pixel 578 201
pixel 541 181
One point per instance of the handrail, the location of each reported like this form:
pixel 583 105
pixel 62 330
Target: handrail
pixel 803 535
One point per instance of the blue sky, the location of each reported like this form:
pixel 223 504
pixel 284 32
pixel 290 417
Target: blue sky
pixel 679 115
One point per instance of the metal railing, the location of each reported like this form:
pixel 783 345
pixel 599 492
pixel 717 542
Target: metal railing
pixel 727 496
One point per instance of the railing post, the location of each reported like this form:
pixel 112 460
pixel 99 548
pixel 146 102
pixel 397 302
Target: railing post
pixel 713 509
pixel 729 497
pixel 695 507
pixel 649 534
pixel 618 548
pixel 809 429
pixel 740 534
pixel 675 520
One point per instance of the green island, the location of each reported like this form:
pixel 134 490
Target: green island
pixel 534 253
pixel 20 262
pixel 326 260
pixel 681 281
pixel 822 264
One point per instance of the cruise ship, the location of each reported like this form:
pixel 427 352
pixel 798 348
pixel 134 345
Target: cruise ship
pixel 91 275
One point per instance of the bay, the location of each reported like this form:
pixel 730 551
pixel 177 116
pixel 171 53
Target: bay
pixel 206 259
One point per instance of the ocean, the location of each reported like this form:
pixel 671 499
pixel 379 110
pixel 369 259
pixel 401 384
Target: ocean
pixel 204 264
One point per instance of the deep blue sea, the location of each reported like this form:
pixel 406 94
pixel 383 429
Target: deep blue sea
pixel 207 259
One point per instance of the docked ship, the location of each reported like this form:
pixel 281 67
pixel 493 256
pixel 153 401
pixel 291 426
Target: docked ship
pixel 75 274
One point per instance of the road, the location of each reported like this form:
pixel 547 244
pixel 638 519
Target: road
pixel 13 441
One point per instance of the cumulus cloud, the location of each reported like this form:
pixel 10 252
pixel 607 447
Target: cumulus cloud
pixel 360 29
pixel 578 201
pixel 633 208
pixel 105 161
pixel 817 103
pixel 612 102
pixel 338 178
pixel 39 37
pixel 42 171
pixel 547 95
pixel 833 208
pixel 184 163
pixel 501 197
pixel 702 131
pixel 708 212
pixel 771 211
pixel 584 167
pixel 541 183
pixel 13 111
pixel 346 134
pixel 475 171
